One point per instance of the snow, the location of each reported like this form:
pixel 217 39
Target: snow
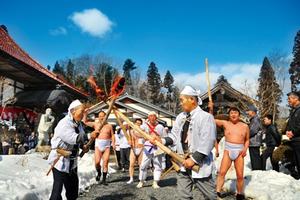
pixel 261 185
pixel 24 176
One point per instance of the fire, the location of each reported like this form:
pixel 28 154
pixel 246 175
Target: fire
pixel 118 86
pixel 99 93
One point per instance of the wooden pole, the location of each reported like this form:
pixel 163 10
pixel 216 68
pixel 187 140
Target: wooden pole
pixel 128 137
pixel 168 151
pixel 208 80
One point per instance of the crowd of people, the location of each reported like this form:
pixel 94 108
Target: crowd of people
pixel 193 136
pixel 15 141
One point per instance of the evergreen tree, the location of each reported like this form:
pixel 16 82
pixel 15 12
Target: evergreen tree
pixel 294 70
pixel 222 79
pixel 168 84
pixel 48 67
pixel 175 100
pixel 59 70
pixel 143 91
pixel 153 83
pixel 70 71
pixel 128 66
pixel 269 93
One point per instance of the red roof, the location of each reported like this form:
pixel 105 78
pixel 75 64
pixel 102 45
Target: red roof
pixel 8 45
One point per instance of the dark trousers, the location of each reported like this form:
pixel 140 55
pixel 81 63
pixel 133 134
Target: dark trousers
pixel 125 152
pixel 118 154
pixel 185 187
pixel 267 153
pixel 69 180
pixel 255 158
pixel 5 150
pixel 296 151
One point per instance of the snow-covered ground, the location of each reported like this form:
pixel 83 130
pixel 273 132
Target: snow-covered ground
pixel 262 185
pixel 24 176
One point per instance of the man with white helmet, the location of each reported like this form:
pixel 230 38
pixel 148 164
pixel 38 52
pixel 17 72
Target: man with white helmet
pixel 151 151
pixel 68 135
pixel 194 134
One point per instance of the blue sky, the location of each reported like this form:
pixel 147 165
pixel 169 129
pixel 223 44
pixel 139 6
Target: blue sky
pixel 177 35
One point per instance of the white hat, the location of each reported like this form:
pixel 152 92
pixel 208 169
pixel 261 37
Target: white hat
pixel 152 113
pixel 74 104
pixel 190 91
pixel 125 123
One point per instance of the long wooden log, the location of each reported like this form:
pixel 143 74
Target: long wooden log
pixel 128 136
pixel 208 80
pixel 168 151
pixel 110 107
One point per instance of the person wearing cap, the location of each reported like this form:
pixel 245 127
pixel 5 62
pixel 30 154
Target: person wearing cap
pixel 68 135
pixel 293 127
pixel 151 152
pixel 137 143
pixel 124 147
pixel 255 127
pixel 103 143
pixel 194 135
pixel 236 144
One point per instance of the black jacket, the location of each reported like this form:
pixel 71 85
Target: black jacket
pixel 271 133
pixel 294 123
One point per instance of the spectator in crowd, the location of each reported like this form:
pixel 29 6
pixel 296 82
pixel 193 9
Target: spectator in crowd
pixel 117 143
pixel 32 140
pixel 255 138
pixel 5 143
pixel 293 127
pixel 272 140
pixel 124 148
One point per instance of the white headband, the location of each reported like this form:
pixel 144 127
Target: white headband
pixel 190 91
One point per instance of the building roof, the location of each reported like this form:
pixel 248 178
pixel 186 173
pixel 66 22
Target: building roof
pixel 243 99
pixel 18 65
pixel 135 105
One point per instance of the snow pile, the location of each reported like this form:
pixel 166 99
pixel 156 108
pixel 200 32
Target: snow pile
pixel 262 185
pixel 24 176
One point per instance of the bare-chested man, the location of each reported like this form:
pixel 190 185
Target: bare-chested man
pixel 236 145
pixel 136 152
pixel 102 144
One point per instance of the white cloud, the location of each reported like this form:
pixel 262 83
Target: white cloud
pixel 58 31
pixel 92 21
pixel 236 73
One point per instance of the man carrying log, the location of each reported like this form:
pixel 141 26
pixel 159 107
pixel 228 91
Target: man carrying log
pixel 137 144
pixel 151 151
pixel 68 136
pixel 194 134
pixel 102 144
pixel 236 145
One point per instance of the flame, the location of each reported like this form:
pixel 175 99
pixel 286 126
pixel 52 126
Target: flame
pixel 118 86
pixel 99 93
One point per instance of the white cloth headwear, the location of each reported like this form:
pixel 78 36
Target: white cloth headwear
pixel 74 104
pixel 152 113
pixel 190 91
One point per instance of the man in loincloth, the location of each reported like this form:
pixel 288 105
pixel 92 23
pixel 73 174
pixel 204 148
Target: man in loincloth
pixel 102 144
pixel 137 144
pixel 151 152
pixel 236 145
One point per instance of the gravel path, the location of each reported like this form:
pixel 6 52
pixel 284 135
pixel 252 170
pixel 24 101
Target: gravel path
pixel 117 189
